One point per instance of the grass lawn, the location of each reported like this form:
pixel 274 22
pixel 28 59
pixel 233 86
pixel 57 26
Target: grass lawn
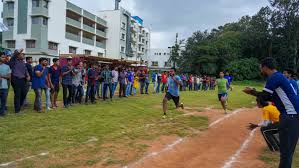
pixel 108 133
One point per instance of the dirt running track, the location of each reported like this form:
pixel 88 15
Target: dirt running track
pixel 214 147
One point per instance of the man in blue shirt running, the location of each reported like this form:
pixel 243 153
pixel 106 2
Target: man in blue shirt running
pixel 173 92
pixel 279 90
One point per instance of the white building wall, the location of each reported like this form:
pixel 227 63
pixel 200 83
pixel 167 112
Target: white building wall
pixel 113 33
pixel 161 59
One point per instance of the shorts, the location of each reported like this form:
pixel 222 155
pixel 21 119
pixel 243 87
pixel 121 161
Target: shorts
pixel 222 95
pixel 55 89
pixel 176 99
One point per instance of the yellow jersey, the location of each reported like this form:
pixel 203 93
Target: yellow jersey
pixel 271 113
pixel 136 82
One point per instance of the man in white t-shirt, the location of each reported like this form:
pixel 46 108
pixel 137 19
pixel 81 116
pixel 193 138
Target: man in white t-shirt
pixel 115 75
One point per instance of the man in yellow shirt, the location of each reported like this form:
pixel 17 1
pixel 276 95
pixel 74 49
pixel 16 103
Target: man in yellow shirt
pixel 270 124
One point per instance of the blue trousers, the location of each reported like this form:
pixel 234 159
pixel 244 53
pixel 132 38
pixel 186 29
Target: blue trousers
pixel 3 98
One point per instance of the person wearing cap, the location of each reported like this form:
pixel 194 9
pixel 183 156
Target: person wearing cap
pixel 67 82
pixel 5 74
pixel 20 76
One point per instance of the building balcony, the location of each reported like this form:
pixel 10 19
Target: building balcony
pixel 100 45
pixel 73 8
pixel 88 41
pixel 73 22
pixel 72 36
pixel 40 11
pixel 101 33
pixel 8 13
pixel 88 28
pixel 101 21
pixel 8 35
pixel 89 15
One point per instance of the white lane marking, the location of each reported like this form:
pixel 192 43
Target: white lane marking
pixel 167 148
pixel 25 158
pixel 225 117
pixel 233 159
pixel 178 141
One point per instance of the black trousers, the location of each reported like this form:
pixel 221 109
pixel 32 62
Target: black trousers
pixel 269 133
pixel 122 89
pixel 288 137
pixel 20 92
pixel 67 94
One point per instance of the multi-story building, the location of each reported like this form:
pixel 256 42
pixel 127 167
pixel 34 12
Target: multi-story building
pixel 128 38
pixel 159 59
pixel 47 28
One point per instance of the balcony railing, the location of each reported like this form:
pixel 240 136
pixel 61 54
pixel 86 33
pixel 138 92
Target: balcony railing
pixel 100 44
pixel 8 13
pixel 101 33
pixel 73 8
pixel 88 41
pixel 73 22
pixel 72 36
pixel 88 28
pixel 101 21
pixel 40 11
pixel 89 15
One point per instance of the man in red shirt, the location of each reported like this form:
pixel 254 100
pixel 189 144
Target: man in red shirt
pixel 164 81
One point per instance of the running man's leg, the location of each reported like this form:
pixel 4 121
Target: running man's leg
pixel 223 98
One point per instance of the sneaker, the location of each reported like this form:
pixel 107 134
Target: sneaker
pixel 182 106
pixel 49 109
pixel 164 116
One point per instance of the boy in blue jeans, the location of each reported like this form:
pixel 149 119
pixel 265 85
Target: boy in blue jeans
pixel 5 73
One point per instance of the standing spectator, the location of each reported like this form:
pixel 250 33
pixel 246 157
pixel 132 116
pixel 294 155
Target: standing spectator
pixel 159 82
pixel 29 83
pixel 78 84
pixel 67 83
pixel 164 81
pixel 200 83
pixel 99 86
pixel 106 75
pixel 147 81
pixel 288 73
pixel 136 84
pixel 197 83
pixel 20 76
pixel 40 83
pixel 130 79
pixel 155 80
pixel 114 80
pixel 91 84
pixel 5 74
pixel 191 81
pixel 54 77
pixel 142 82
pixel 122 83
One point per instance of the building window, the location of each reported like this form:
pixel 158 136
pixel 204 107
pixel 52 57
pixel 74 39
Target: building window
pixel 155 63
pixel 123 25
pixel 122 49
pixel 72 50
pixel 164 53
pixel 35 20
pixel 160 54
pixel 142 40
pixel 139 38
pixel 123 36
pixel 142 49
pixel 10 5
pixel 46 4
pixel 100 54
pixel 11 44
pixel 53 46
pixel 146 34
pixel 168 53
pixel 45 21
pixel 146 42
pixel 10 22
pixel 30 43
pixel 87 52
pixel 35 3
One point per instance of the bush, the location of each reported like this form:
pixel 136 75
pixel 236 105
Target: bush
pixel 244 69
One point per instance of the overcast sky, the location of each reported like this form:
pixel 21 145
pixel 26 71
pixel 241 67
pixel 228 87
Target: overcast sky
pixel 166 17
